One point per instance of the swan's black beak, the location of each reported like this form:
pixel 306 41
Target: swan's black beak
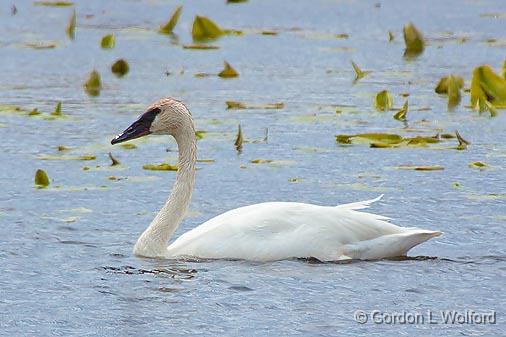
pixel 138 128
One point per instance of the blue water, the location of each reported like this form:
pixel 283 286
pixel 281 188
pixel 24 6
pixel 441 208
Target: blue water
pixel 66 266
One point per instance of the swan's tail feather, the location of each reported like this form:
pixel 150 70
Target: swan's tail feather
pixel 359 204
pixel 386 246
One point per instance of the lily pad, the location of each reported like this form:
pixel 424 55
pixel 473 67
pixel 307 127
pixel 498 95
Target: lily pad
pixel 204 29
pixel 92 85
pixel 200 46
pixel 228 71
pixel 169 26
pixel 413 39
pixel 114 161
pixel 478 165
pixel 41 179
pixel 120 68
pixel 53 3
pixel 401 114
pixel 107 42
pixel 71 26
pixel 420 167
pixel 462 142
pixel 442 85
pixel 57 110
pixel 241 106
pixel 358 72
pixel 383 101
pixel 488 86
pixel 238 139
pixel 160 167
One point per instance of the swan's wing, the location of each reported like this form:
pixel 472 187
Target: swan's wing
pixel 360 204
pixel 280 230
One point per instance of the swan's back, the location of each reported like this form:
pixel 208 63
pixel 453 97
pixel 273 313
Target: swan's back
pixel 280 230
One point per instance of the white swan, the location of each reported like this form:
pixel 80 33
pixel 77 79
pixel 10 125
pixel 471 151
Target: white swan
pixel 261 232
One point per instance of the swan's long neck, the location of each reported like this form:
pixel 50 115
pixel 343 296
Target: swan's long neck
pixel 153 242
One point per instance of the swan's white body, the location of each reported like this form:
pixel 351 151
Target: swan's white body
pixel 261 232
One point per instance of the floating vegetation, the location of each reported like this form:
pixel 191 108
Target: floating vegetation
pixel 200 46
pixel 478 165
pixel 383 101
pixel 487 86
pixel 34 112
pixel 241 106
pixel 238 139
pixel 107 42
pixel 358 72
pixel 160 167
pixel 413 40
pixel 200 134
pixel 462 142
pixel 235 1
pixel 228 71
pixel 204 29
pixel 386 140
pixel 92 85
pixel 114 161
pixel 120 68
pixel 71 26
pixel 391 36
pixel 57 110
pixel 420 168
pixel 41 45
pixel 128 146
pixel 294 180
pixel 260 161
pixel 61 148
pixel 401 114
pixel 450 85
pixel 59 157
pixel 41 179
pixel 169 26
pixel 53 3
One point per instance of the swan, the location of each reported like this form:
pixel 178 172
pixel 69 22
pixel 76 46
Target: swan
pixel 261 232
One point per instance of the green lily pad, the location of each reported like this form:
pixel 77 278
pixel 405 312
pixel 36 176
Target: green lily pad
pixel 71 26
pixel 241 106
pixel 41 179
pixel 413 39
pixel 53 3
pixel 169 26
pixel 487 86
pixel 92 85
pixel 120 68
pixel 383 101
pixel 107 42
pixel 160 167
pixel 204 29
pixel 228 71
pixel 401 114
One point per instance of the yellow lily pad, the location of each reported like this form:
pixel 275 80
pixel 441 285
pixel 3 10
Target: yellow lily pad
pixel 107 42
pixel 454 85
pixel 413 39
pixel 41 179
pixel 57 110
pixel 92 85
pixel 169 26
pixel 488 86
pixel 478 165
pixel 120 68
pixel 420 168
pixel 359 73
pixel 128 146
pixel 462 142
pixel 71 26
pixel 204 29
pixel 58 157
pixel 160 167
pixel 228 71
pixel 200 46
pixel 442 85
pixel 241 106
pixel 383 101
pixel 401 114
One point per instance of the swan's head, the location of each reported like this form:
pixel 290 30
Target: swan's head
pixel 164 117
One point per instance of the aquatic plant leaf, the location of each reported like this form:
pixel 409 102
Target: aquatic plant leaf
pixel 41 179
pixel 200 134
pixel 462 142
pixel 386 138
pixel 454 85
pixel 57 110
pixel 53 3
pixel 235 1
pixel 204 29
pixel 71 26
pixel 358 72
pixel 228 71
pixel 241 106
pixel 120 68
pixel 260 161
pixel 383 101
pixel 92 85
pixel 503 70
pixel 41 45
pixel 478 165
pixel 107 42
pixel 160 167
pixel 401 114
pixel 442 85
pixel 34 112
pixel 59 157
pixel 413 40
pixel 294 180
pixel 169 26
pixel 114 161
pixel 128 146
pixel 238 139
pixel 391 36
pixel 420 168
pixel 200 46
pixel 488 86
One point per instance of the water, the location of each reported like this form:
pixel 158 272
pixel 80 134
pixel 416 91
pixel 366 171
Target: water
pixel 65 251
